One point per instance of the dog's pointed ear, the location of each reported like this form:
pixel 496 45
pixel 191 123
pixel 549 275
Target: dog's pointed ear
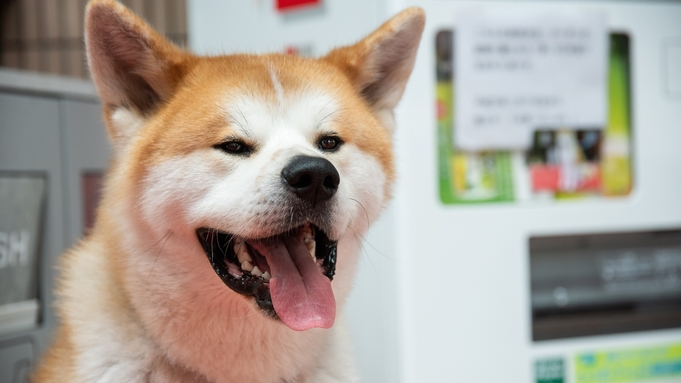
pixel 133 67
pixel 380 64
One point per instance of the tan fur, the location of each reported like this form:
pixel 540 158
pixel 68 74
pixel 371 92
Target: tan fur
pixel 57 364
pixel 176 96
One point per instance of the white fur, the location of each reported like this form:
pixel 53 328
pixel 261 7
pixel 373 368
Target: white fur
pixel 126 123
pixel 213 189
pixel 278 89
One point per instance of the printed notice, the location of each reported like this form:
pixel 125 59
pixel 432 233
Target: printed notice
pixel 517 71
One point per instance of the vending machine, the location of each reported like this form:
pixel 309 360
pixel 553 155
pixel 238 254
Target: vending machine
pixel 551 254
pixel 535 234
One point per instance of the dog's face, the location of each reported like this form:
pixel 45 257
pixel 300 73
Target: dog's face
pixel 259 165
pixel 288 155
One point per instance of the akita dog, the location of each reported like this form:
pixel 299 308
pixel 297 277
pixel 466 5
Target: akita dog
pixel 233 211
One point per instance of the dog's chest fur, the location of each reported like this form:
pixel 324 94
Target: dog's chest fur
pixel 116 347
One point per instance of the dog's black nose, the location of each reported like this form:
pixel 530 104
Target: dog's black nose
pixel 313 179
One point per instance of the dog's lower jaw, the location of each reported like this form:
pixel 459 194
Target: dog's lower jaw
pixel 181 307
pixel 218 333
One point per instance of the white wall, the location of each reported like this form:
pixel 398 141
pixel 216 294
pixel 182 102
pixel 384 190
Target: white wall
pixel 217 27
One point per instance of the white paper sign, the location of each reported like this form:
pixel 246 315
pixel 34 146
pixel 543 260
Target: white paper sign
pixel 518 70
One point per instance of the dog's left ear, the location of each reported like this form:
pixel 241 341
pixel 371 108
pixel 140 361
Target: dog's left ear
pixel 380 64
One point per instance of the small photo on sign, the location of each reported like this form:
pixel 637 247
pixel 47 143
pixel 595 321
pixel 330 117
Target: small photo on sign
pixel 565 160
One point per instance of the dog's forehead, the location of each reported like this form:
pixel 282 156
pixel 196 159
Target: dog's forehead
pixel 259 95
pixel 304 110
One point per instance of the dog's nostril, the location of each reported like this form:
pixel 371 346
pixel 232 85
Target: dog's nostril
pixel 313 179
pixel 304 181
pixel 331 182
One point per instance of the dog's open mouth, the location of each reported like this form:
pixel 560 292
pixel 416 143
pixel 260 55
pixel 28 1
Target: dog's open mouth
pixel 288 274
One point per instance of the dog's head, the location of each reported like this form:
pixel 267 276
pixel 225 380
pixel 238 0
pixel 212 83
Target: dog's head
pixel 257 165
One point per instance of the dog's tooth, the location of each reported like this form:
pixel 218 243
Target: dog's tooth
pixel 242 253
pixel 266 275
pixel 256 271
pixel 244 256
pixel 306 232
pixel 311 247
pixel 246 265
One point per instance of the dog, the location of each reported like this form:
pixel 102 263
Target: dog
pixel 233 210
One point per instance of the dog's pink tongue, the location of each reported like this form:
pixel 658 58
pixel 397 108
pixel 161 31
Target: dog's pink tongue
pixel 301 294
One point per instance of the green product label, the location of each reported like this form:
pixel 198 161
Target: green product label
pixel 629 365
pixel 598 158
pixel 549 371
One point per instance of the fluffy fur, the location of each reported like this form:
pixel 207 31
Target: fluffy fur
pixel 138 299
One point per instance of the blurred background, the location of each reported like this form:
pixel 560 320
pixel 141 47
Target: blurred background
pixel 47 35
pixel 535 233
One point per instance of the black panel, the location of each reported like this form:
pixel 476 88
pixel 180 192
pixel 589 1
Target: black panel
pixel 605 283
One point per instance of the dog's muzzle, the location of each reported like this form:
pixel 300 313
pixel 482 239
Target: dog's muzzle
pixel 289 274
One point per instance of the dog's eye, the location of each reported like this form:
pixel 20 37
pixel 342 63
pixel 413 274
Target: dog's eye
pixel 329 143
pixel 234 147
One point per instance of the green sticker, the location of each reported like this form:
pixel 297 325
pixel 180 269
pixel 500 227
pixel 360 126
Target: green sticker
pixel 549 371
pixel 629 365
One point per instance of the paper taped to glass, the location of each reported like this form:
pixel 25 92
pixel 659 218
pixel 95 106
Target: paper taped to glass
pixel 521 70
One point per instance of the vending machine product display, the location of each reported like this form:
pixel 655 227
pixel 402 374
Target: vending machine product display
pixel 560 164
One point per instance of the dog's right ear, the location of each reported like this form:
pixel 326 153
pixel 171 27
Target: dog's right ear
pixel 133 67
pixel 380 64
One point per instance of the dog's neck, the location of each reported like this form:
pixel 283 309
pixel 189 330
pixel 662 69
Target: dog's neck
pixel 185 310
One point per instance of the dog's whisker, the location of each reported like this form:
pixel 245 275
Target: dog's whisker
pixel 363 252
pixel 368 224
pixel 242 116
pixel 240 317
pixel 212 252
pixel 366 214
pixel 167 237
